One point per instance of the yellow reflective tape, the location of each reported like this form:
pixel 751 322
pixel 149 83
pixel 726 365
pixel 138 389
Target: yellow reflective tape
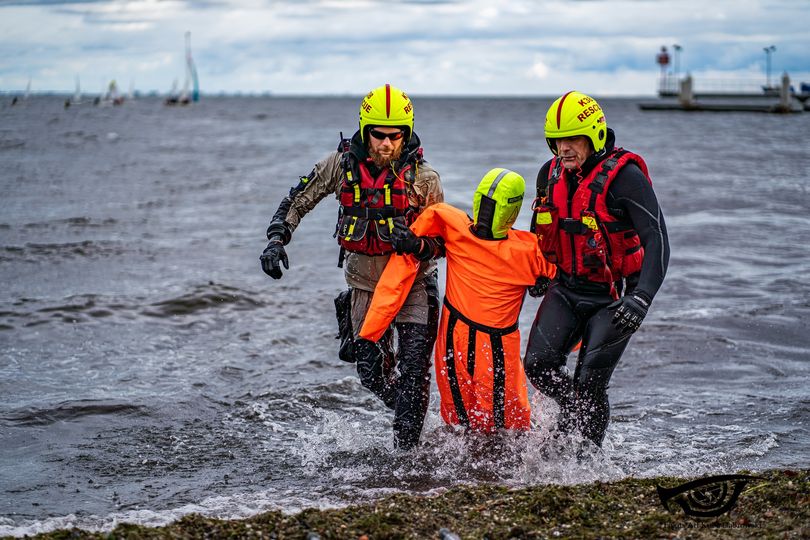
pixel 590 222
pixel 349 176
pixel 351 228
pixel 356 193
pixel 543 218
pixel 388 195
pixel 390 225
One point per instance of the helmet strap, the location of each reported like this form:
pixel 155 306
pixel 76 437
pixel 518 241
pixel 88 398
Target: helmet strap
pixel 485 217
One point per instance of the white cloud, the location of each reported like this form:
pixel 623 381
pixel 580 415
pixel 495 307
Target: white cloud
pixel 538 70
pixel 342 46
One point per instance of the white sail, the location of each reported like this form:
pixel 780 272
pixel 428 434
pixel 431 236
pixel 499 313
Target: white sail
pixel 77 95
pixel 187 94
pixel 191 70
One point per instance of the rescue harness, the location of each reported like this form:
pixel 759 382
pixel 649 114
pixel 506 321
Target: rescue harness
pixel 498 363
pixel 369 203
pixel 579 234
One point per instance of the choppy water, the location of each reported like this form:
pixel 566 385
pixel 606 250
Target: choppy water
pixel 149 369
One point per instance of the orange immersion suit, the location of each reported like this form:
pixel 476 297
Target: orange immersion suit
pixel 479 371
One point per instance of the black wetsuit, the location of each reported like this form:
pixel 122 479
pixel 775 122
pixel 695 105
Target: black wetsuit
pixel 574 309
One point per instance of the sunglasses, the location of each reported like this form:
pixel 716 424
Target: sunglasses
pixel 381 135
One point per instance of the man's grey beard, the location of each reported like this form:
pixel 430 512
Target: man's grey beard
pixel 382 162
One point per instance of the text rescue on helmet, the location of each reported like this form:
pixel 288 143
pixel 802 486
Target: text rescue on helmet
pixel 595 108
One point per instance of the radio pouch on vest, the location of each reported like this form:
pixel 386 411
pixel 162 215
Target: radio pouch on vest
pixel 546 225
pixel 352 228
pixel 384 227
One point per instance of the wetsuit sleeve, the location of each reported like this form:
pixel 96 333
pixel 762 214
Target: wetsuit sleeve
pixel 322 181
pixel 631 196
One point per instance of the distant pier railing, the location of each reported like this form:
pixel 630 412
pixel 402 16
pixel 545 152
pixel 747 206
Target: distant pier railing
pixel 670 85
pixel 726 95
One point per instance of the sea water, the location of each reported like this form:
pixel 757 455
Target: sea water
pixel 149 369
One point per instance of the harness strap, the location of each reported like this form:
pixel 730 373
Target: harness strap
pixel 345 159
pixel 575 226
pixel 498 380
pixel 452 378
pixel 370 191
pixel 473 333
pixel 498 363
pixel 556 172
pixel 373 213
pixel 598 184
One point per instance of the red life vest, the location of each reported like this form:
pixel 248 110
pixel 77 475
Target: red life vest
pixel 368 206
pixel 583 238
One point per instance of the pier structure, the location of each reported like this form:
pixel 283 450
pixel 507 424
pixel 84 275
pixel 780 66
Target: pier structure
pixel 681 95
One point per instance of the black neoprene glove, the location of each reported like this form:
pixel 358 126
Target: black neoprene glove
pixel 272 255
pixel 540 287
pixel 403 239
pixel 630 310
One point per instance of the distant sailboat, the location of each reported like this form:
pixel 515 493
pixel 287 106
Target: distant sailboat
pixel 112 97
pixel 191 70
pixel 190 84
pixel 16 100
pixel 77 96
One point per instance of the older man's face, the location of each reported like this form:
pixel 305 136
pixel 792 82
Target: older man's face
pixel 573 151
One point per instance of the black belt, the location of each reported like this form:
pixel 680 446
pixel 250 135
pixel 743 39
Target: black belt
pixel 491 330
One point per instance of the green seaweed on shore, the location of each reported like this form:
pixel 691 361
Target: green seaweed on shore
pixel 775 506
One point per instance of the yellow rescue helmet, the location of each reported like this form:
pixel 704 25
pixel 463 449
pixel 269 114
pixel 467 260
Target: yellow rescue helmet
pixel 497 202
pixel 574 114
pixel 386 106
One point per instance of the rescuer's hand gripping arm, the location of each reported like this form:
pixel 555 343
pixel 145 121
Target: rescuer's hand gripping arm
pixel 423 248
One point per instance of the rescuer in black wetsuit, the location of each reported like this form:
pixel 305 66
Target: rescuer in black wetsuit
pixel 598 219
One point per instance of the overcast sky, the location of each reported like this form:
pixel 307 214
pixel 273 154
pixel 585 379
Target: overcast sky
pixel 429 47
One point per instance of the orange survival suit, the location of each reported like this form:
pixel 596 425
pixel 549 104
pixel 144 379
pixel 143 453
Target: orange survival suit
pixel 479 371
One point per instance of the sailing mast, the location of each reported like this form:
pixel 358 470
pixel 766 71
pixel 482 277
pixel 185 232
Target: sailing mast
pixel 191 78
pixel 191 72
pixel 77 96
